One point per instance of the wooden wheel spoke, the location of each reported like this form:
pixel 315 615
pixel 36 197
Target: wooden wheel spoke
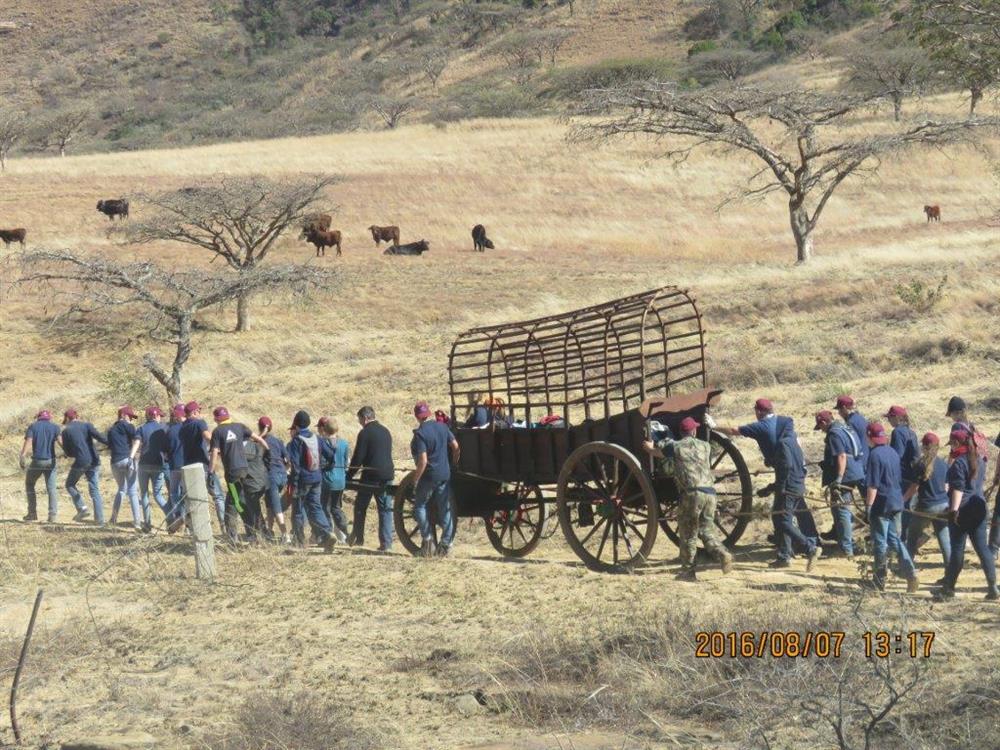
pixel 604 539
pixel 638 533
pixel 614 541
pixel 593 529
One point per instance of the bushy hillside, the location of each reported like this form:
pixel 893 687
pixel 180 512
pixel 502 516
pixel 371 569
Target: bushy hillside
pixel 142 73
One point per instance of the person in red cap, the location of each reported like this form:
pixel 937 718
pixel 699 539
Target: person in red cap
pixel 38 459
pixel 968 513
pixel 689 461
pixel 848 411
pixel 430 447
pixel 195 436
pixel 928 495
pixel 78 443
pixel 794 526
pixel 277 470
pixel 227 444
pixel 843 475
pixel 175 463
pixel 121 436
pixel 904 441
pixel 884 502
pixel 149 450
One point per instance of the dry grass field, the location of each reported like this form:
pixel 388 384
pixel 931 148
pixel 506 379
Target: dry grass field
pixel 356 650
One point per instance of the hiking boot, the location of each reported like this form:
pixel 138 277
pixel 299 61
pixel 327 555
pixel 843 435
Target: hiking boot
pixel 137 529
pixel 355 541
pixel 912 585
pixel 944 594
pixel 53 519
pixel 385 550
pixel 779 563
pixel 829 536
pixel 286 538
pixel 686 574
pixel 147 528
pixel 772 539
pixel 81 514
pixel 427 548
pixel 30 517
pixel 328 544
pixel 175 526
pixel 815 555
pixel 444 550
pixel 992 594
pixel 727 564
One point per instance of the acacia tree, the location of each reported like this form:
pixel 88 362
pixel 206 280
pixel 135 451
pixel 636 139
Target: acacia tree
pixel 801 137
pixel 433 64
pixel 894 72
pixel 13 124
pixel 237 219
pixel 160 305
pixel 964 36
pixel 60 129
pixel 392 109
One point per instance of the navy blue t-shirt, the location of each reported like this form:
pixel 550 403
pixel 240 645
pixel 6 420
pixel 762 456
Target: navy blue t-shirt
pixel 859 424
pixel 959 479
pixel 43 436
pixel 276 457
pixel 192 436
pixel 883 473
pixel 904 441
pixel 779 445
pixel 931 491
pixel 433 438
pixel 840 440
pixel 155 444
pixel 78 443
pixel 175 448
pixel 764 432
pixel 120 437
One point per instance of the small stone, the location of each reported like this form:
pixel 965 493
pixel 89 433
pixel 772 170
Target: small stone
pixel 468 705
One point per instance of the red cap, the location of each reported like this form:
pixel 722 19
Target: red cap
pixel 43 415
pixel 930 438
pixel 264 422
pixel 822 418
pixel 896 411
pixel 763 404
pixel 421 409
pixel 152 412
pixel 220 413
pixel 877 433
pixel 178 411
pixel 688 424
pixel 191 407
pixel 69 415
pixel 127 411
pixel 846 401
pixel 960 434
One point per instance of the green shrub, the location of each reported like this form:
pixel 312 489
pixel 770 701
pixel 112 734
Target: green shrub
pixel 706 45
pixel 921 297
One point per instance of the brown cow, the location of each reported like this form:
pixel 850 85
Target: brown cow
pixel 385 234
pixel 933 213
pixel 13 235
pixel 113 207
pixel 322 222
pixel 323 239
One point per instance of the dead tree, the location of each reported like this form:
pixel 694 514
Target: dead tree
pixel 802 138
pixel 391 109
pixel 158 305
pixel 62 128
pixel 433 65
pixel 237 219
pixel 890 72
pixel 13 124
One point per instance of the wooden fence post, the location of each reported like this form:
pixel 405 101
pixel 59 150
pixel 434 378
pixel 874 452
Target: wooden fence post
pixel 196 497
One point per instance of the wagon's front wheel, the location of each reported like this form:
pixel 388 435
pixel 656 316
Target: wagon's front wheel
pixel 607 507
pixel 515 533
pixel 407 528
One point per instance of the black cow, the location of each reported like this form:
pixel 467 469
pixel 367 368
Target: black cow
pixel 480 241
pixel 410 248
pixel 13 235
pixel 113 207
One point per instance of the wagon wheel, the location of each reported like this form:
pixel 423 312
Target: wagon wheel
pixel 407 528
pixel 733 489
pixel 604 486
pixel 515 533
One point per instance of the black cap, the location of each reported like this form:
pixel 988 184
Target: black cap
pixel 301 420
pixel 955 404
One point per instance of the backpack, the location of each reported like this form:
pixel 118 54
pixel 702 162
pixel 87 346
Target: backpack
pixel 852 436
pixel 311 455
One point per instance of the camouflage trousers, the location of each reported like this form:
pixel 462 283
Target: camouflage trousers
pixel 696 520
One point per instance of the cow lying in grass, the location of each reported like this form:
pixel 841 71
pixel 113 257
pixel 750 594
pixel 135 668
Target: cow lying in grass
pixel 410 248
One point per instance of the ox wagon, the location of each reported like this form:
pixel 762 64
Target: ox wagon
pixel 579 391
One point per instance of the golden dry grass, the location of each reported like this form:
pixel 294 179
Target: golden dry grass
pixel 573 226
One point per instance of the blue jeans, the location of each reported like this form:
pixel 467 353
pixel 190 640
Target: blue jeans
pixel 218 494
pixel 436 495
pixel 918 524
pixel 30 479
pixel 93 475
pixel 785 509
pixel 384 501
pixel 957 559
pixel 995 526
pixel 843 521
pixel 884 537
pixel 176 491
pixel 125 478
pixel 157 476
pixel 307 505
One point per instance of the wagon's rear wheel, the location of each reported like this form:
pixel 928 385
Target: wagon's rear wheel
pixel 407 528
pixel 733 489
pixel 515 533
pixel 607 507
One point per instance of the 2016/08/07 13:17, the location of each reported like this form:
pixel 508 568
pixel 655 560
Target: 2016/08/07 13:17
pixel 821 644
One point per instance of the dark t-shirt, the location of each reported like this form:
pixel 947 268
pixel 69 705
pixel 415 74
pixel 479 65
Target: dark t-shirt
pixel 373 454
pixel 228 440
pixel 155 444
pixel 193 441
pixel 959 479
pixel 43 436
pixel 904 442
pixel 175 446
pixel 859 424
pixel 931 491
pixel 120 438
pixel 840 440
pixel 885 476
pixel 276 456
pixel 78 443
pixel 433 439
